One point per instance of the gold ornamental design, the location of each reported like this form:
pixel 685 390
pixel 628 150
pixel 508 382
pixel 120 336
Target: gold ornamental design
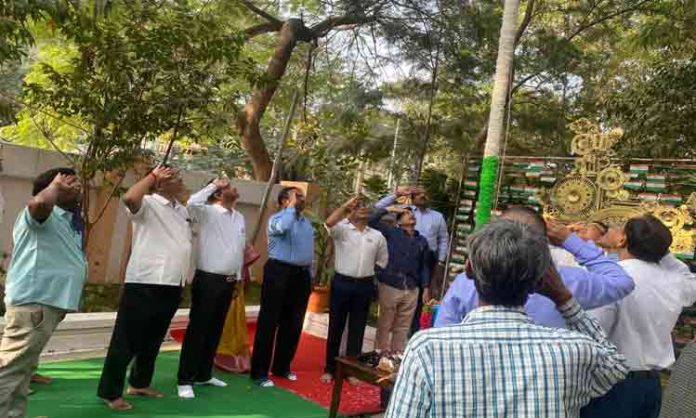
pixel 574 197
pixel 611 179
pixel 594 190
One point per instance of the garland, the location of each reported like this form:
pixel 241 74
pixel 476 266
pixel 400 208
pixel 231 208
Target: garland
pixel 489 174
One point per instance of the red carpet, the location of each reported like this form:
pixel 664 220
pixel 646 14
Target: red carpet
pixel 308 365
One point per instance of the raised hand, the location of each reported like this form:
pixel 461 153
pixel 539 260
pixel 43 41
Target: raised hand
pixel 352 203
pixel 395 209
pixel 403 191
pixel 221 183
pixel 292 199
pixel 557 232
pixel 66 183
pixel 162 172
pixel 552 287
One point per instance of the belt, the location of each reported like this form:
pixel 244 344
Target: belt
pixel 230 278
pixel 644 374
pixel 285 264
pixel 354 279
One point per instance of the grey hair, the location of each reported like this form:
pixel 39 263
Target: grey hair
pixel 508 260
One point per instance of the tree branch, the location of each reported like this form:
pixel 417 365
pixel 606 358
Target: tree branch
pixel 322 28
pixel 108 199
pixel 602 19
pixel 262 28
pixel 528 14
pixel 50 140
pixel 260 12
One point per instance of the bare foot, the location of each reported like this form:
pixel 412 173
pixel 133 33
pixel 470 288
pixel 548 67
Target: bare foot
pixel 119 404
pixel 326 378
pixel 352 380
pixel 41 379
pixel 146 392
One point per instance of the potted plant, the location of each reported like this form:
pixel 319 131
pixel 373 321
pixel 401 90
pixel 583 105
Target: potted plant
pixel 323 268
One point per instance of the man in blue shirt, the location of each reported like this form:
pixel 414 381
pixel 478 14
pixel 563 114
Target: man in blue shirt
pixel 44 282
pixel 602 281
pixel 406 276
pixel 285 291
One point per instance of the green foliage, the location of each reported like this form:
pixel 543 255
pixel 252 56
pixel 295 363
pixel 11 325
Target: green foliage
pixel 658 114
pixel 119 80
pixel 375 187
pixel 310 157
pixel 441 191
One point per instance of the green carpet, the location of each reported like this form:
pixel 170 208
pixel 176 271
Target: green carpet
pixel 73 395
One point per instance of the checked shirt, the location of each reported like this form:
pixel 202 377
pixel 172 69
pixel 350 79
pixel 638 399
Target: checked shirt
pixel 496 363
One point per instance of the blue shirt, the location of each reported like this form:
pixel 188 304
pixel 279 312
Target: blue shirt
pixel 290 238
pixel 601 282
pixel 408 266
pixel 496 364
pixel 430 223
pixel 48 265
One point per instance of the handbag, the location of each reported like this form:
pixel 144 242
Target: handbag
pixel 250 255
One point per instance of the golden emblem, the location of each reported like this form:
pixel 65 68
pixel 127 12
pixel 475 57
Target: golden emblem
pixel 593 190
pixel 611 179
pixel 574 197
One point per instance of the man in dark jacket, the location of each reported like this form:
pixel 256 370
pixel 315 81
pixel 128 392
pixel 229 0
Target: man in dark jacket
pixel 406 274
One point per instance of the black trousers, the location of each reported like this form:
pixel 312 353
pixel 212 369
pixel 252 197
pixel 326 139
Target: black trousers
pixel 211 295
pixel 350 300
pixel 144 314
pixel 415 325
pixel 284 296
pixel 639 396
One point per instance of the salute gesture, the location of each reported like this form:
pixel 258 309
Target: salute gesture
pixel 557 232
pixel 401 191
pixel 552 287
pixel 221 183
pixel 342 211
pixel 163 172
pixel 64 190
pixel 66 183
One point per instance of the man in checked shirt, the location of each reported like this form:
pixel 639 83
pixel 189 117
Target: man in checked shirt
pixel 497 363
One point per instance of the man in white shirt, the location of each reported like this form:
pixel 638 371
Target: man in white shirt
pixel 640 325
pixel 219 260
pixel 358 249
pixel 157 270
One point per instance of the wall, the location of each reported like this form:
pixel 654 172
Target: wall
pixel 109 244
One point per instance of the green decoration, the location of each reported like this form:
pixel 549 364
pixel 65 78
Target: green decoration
pixel 489 175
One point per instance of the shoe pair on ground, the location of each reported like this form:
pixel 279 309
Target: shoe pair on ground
pixel 184 392
pixel 268 383
pixel 328 378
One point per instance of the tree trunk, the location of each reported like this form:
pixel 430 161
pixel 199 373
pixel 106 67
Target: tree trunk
pixel 249 120
pixel 496 120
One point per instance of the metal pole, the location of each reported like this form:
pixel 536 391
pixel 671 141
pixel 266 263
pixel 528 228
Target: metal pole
pixel 453 227
pixel 276 166
pixel 393 156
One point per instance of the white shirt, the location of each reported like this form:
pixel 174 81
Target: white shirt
pixel 221 235
pixel 357 251
pixel 640 325
pixel 161 247
pixel 562 257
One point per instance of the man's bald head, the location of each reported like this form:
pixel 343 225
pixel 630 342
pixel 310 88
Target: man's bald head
pixel 525 215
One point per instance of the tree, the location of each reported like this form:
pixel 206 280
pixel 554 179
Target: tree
pixel 129 77
pixel 289 32
pixel 496 122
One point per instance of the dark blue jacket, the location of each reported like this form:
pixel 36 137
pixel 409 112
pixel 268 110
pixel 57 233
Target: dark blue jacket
pixel 408 266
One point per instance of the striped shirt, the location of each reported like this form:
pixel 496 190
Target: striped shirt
pixel 496 363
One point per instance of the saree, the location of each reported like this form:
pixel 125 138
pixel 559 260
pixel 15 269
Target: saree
pixel 233 354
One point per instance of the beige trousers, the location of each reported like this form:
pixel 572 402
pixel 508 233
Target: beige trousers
pixel 396 310
pixel 27 330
